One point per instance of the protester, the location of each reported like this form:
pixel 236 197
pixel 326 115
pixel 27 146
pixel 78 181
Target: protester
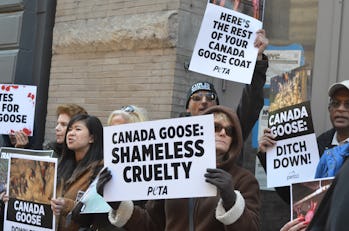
pixel 82 159
pixel 339 115
pixel 202 95
pixel 17 139
pixel 332 213
pixel 64 113
pixel 236 207
pixel 329 142
pixel 127 114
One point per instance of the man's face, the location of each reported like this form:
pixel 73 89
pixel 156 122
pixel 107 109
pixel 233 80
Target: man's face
pixel 339 109
pixel 200 101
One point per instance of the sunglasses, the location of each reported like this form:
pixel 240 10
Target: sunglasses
pixel 336 104
pixel 128 108
pixel 209 96
pixel 229 130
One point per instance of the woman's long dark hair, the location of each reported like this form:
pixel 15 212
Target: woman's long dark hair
pixel 68 164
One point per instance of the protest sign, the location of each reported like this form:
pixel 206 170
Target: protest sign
pixel 307 196
pixel 32 184
pixel 17 108
pixel 295 156
pixel 5 153
pixel 160 159
pixel 225 45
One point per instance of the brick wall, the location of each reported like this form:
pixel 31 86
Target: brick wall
pixel 107 54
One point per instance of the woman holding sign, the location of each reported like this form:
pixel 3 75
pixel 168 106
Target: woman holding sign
pixel 236 207
pixel 82 159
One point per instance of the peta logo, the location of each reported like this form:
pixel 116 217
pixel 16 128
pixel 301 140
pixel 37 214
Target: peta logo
pixel 292 175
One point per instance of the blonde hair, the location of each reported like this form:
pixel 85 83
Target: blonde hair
pixel 222 116
pixel 130 113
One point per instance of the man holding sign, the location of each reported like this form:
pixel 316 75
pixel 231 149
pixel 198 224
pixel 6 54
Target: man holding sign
pixel 236 207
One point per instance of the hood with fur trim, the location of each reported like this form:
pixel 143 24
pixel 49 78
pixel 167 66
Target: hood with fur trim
pixel 236 146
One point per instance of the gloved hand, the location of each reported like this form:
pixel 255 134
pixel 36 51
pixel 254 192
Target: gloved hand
pixel 84 220
pixel 103 178
pixel 225 184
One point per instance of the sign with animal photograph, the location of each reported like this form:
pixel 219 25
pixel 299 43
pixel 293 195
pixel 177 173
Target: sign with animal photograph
pixel 5 153
pixel 306 197
pixel 253 8
pixel 225 45
pixel 17 108
pixel 32 184
pixel 160 159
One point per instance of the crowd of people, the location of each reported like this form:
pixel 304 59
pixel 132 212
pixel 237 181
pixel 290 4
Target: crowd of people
pixel 79 149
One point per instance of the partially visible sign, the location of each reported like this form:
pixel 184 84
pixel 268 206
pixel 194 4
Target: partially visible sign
pixel 17 108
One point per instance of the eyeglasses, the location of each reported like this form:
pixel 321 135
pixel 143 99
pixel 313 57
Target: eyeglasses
pixel 334 104
pixel 209 96
pixel 128 108
pixel 229 130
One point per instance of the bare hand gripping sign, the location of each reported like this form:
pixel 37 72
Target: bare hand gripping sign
pixel 160 159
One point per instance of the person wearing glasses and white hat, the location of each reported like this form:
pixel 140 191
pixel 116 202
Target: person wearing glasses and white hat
pixel 202 95
pixel 338 108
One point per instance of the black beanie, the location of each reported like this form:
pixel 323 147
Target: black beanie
pixel 201 86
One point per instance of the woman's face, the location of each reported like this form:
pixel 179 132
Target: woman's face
pixel 79 138
pixel 118 119
pixel 61 127
pixel 223 136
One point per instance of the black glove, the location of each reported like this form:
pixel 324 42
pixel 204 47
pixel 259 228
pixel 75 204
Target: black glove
pixel 103 178
pixel 224 182
pixel 84 220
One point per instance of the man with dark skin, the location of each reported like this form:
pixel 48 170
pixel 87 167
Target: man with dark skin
pixel 338 109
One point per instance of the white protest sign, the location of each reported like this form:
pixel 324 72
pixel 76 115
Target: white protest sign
pixel 32 184
pixel 295 156
pixel 225 45
pixel 17 108
pixel 160 159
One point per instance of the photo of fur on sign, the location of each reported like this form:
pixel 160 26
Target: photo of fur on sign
pixel 290 88
pixel 31 180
